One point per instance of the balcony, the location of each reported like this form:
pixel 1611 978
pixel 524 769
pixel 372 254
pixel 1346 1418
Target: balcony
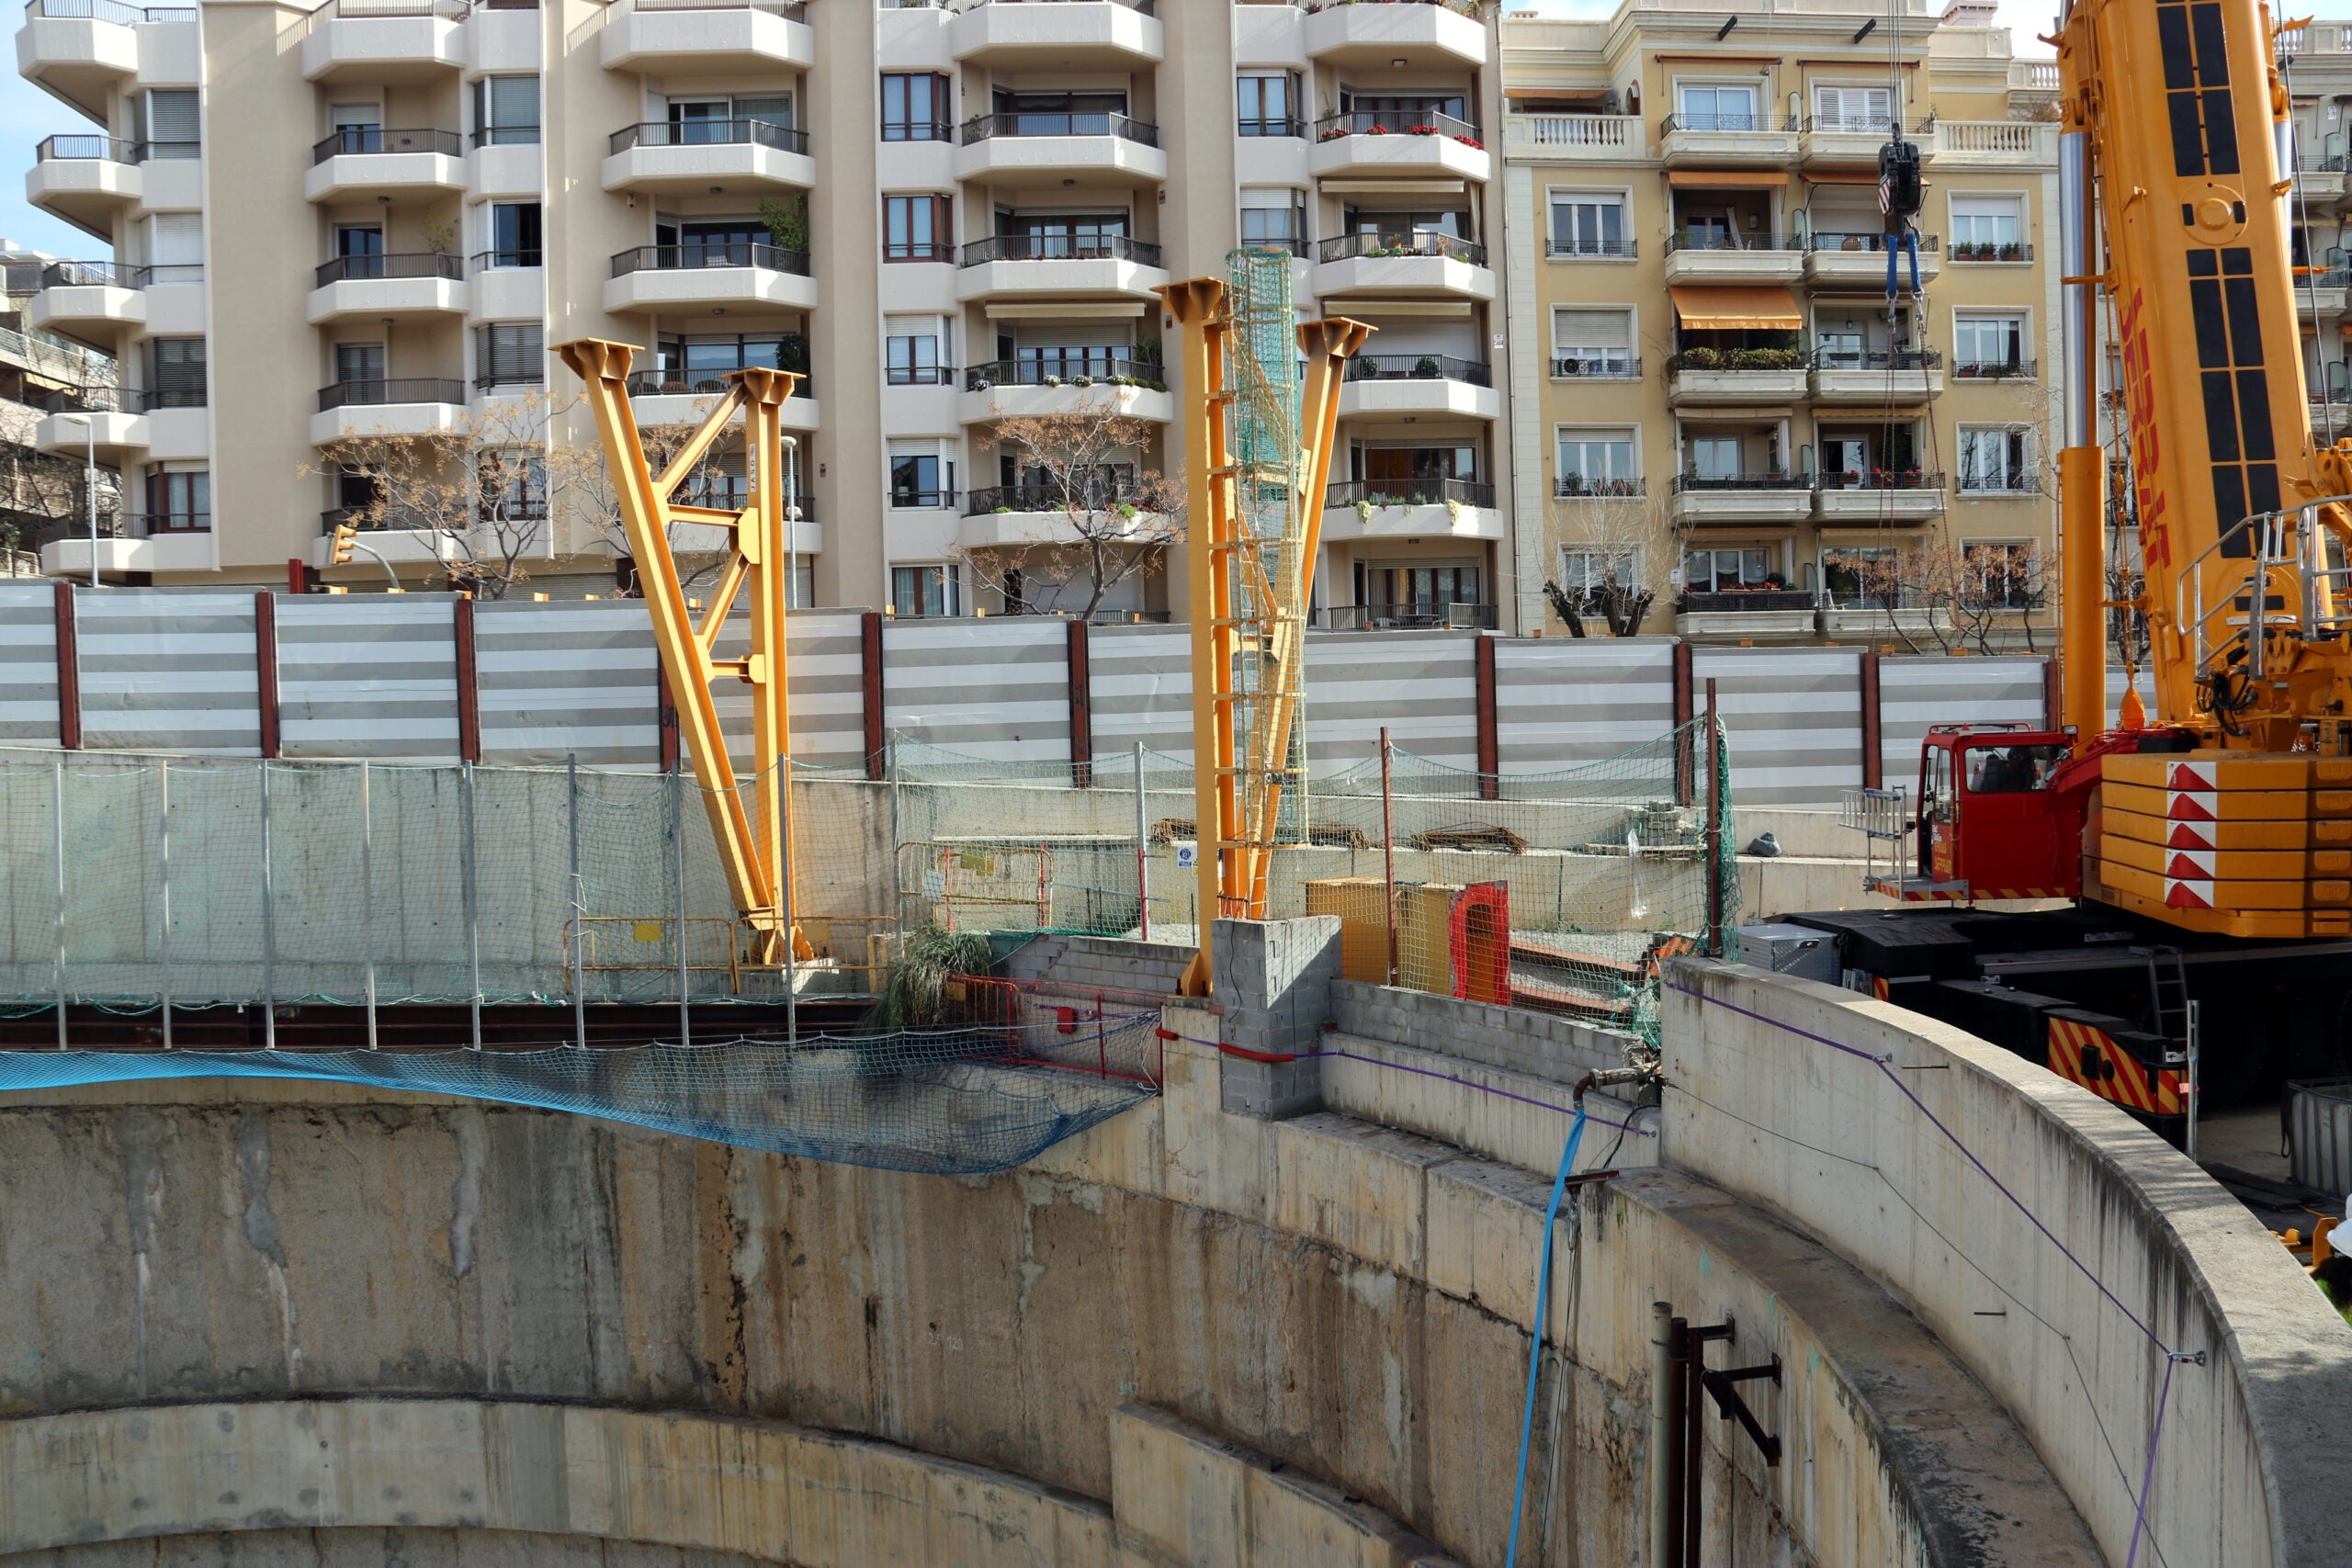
pixel 93 300
pixel 683 396
pixel 1742 498
pixel 1865 614
pixel 1725 141
pixel 1983 253
pixel 1758 614
pixel 1415 385
pixel 1418 509
pixel 84 50
pixel 1035 149
pixel 1103 35
pixel 1425 617
pixel 506 162
pixel 399 165
pixel 1591 250
pixel 1432 35
pixel 507 286
pixel 1736 376
pixel 1574 137
pixel 1583 487
pixel 138 541
pixel 404 288
pixel 1853 141
pixel 2320 181
pixel 1613 367
pixel 1993 144
pixel 1420 263
pixel 1879 377
pixel 405 407
pixel 1996 370
pixel 719 38
pixel 1002 515
pixel 1881 495
pixel 1059 265
pixel 2321 294
pixel 384 42
pixel 1742 259
pixel 719 276
pixel 82 420
pixel 698 157
pixel 86 180
pixel 1860 260
pixel 1014 388
pixel 1397 145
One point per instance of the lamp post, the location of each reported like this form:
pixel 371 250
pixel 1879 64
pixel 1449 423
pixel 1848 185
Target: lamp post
pixel 792 521
pixel 90 482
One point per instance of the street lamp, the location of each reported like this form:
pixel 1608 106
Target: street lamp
pixel 90 482
pixel 792 521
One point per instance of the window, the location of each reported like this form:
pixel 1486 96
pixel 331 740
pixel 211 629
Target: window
pixel 1057 114
pixel 1853 109
pixel 1867 577
pixel 1420 593
pixel 176 373
pixel 512 486
pixel 1598 462
pixel 926 591
pixel 1584 224
pixel 696 363
pixel 359 362
pixel 1987 228
pixel 506 111
pixel 914 108
pixel 179 499
pixel 710 121
pixel 920 476
pixel 1366 112
pixel 358 128
pixel 1274 220
pixel 170 124
pixel 1745 567
pixel 1064 236
pixel 915 353
pixel 176 247
pixel 510 353
pixel 917 228
pixel 1987 345
pixel 1714 457
pixel 2002 574
pixel 1592 342
pixel 1586 570
pixel 514 234
pixel 1993 459
pixel 1269 105
pixel 1716 108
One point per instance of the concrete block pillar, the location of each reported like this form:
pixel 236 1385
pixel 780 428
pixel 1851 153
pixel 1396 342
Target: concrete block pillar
pixel 1274 984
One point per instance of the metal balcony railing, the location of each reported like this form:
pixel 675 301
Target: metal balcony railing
pixel 1860 125
pixel 2000 481
pixel 791 10
pixel 920 374
pixel 916 499
pixel 1995 369
pixel 1685 484
pixel 1881 478
pixel 489 261
pixel 398 390
pixel 109 11
pixel 1146 6
pixel 1990 250
pixel 355 140
pixel 1580 250
pixel 1059 247
pixel 1109 365
pixel 154 273
pixel 1289 247
pixel 84 275
pixel 1051 497
pixel 1608 368
pixel 1838 240
pixel 1878 359
pixel 1416 242
pixel 703 381
pixel 506 136
pixel 1581 487
pixel 709 133
pixel 147 525
pixel 90 400
pixel 1708 240
pixel 379 268
pixel 111 150
pixel 716 253
pixel 1408 492
pixel 1417 367
pixel 1395 122
pixel 733 491
pixel 149 398
pixel 1742 123
pixel 362 10
pixel 1752 600
pixel 1275 125
pixel 1022 122
pixel 1708 361
pixel 1453 615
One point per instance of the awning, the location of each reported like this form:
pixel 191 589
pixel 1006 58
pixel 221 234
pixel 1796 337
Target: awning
pixel 1729 179
pixel 1725 308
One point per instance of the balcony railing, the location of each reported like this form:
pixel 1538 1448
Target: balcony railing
pixel 1404 618
pixel 1608 368
pixel 401 390
pixel 491 260
pixel 1059 247
pixel 1420 243
pixel 1583 250
pixel 703 381
pixel 1995 369
pixel 1143 6
pixel 709 133
pixel 109 11
pixel 792 11
pixel 1685 484
pixel 2001 481
pixel 1878 359
pixel 920 376
pixel 1417 367
pixel 111 150
pixel 1580 487
pixel 918 500
pixel 1275 125
pixel 336 10
pixel 1707 240
pixel 147 525
pixel 1746 122
pixel 1408 492
pixel 716 252
pixel 520 382
pixel 84 275
pixel 988 127
pixel 1882 479
pixel 90 400
pixel 149 398
pixel 1751 600
pixel 355 140
pixel 1290 247
pixel 506 136
pixel 1395 122
pixel 154 273
pixel 1715 361
pixel 376 268
pixel 1052 498
pixel 1989 251
pixel 1838 240
pixel 733 493
pixel 1110 366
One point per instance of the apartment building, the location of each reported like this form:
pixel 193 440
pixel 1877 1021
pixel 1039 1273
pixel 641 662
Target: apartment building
pixel 1717 400
pixel 43 495
pixel 368 221
pixel 2316 66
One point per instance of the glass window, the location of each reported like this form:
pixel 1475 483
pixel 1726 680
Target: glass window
pixel 510 353
pixel 176 373
pixel 1993 459
pixel 1728 570
pixel 1592 342
pixel 1853 109
pixel 914 108
pixel 1067 236
pixel 926 591
pixel 1716 108
pixel 358 362
pixel 506 111
pixel 1983 342
pixel 1588 225
pixel 920 480
pixel 1274 225
pixel 1596 462
pixel 179 499
pixel 173 125
pixel 2011 769
pixel 1867 576
pixel 913 359
pixel 1269 105
pixel 1586 570
pixel 917 228
pixel 1981 222
pixel 512 486
pixel 514 234
pixel 1714 457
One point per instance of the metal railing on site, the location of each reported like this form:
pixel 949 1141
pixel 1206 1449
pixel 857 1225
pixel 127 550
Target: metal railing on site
pixel 1022 122
pixel 1990 250
pixel 150 399
pixel 1146 6
pixel 1271 125
pixel 366 10
pixel 1688 483
pixel 1880 479
pixel 1404 618
pixel 713 253
pixel 147 525
pixel 1418 243
pixel 703 381
pixel 394 389
pixel 709 133
pixel 1051 497
pixel 78 366
pixel 1878 359
pixel 1417 367
pixel 1580 250
pixel 108 11
pixel 352 140
pixel 1712 122
pixel 380 268
pixel 1995 369
pixel 1113 365
pixel 1727 240
pixel 1750 601
pixel 1579 487
pixel 1842 240
pixel 506 136
pixel 791 10
pixel 1862 125
pixel 1608 368
pixel 1408 492
pixel 75 147
pixel 496 261
pixel 90 400
pixel 1059 247
pixel 1395 122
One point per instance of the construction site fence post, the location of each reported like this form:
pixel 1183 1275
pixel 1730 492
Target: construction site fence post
pixel 678 919
pixel 579 909
pixel 57 841
pixel 470 857
pixel 784 878
pixel 1389 850
pixel 163 890
pixel 1713 741
pixel 367 886
pixel 1143 853
pixel 268 923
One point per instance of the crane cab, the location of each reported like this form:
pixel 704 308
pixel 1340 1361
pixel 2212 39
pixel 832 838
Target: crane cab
pixel 1998 816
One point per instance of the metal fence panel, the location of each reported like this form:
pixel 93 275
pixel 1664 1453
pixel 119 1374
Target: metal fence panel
pixel 1421 685
pixel 29 662
pixel 167 670
pixel 1140 679
pixel 372 675
pixel 1915 692
pixel 1794 719
pixel 998 690
pixel 1563 702
pixel 570 677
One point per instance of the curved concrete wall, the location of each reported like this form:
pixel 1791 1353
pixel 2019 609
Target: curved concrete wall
pixel 1350 1302
pixel 2067 1286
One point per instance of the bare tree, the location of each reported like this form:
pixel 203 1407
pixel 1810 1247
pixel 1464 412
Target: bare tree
pixel 1619 553
pixel 45 497
pixel 594 501
pixel 1944 595
pixel 1111 520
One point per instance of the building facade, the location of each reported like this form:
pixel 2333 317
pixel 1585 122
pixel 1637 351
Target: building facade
pixel 345 228
pixel 1718 400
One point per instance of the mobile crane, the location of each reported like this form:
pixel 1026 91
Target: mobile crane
pixel 2209 849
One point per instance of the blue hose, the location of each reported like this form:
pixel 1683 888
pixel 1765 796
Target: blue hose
pixel 1535 1340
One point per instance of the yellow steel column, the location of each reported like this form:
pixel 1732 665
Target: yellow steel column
pixel 1198 308
pixel 2082 593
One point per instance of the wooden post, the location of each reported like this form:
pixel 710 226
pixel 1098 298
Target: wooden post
pixel 869 645
pixel 1686 777
pixel 1082 707
pixel 1873 740
pixel 1710 739
pixel 1489 747
pixel 265 668
pixel 469 680
pixel 69 671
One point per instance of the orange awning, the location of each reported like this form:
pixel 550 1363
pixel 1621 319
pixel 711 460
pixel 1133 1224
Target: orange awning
pixel 1727 307
pixel 1735 179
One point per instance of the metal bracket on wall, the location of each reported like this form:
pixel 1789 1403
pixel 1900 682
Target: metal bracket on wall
pixel 1723 1387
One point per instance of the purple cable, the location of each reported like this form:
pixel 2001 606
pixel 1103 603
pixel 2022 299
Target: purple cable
pixel 2148 1475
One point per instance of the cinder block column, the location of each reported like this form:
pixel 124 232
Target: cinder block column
pixel 1273 982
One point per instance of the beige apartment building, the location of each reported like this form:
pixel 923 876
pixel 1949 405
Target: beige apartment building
pixel 2317 69
pixel 370 219
pixel 1715 397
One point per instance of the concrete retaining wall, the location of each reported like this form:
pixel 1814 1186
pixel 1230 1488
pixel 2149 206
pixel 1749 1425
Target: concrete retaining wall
pixel 1113 964
pixel 2061 1251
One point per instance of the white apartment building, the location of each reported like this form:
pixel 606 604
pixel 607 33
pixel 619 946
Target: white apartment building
pixel 374 217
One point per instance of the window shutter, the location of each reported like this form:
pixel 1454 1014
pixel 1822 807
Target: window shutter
pixel 176 238
pixel 513 101
pixel 1592 329
pixel 173 123
pixel 513 352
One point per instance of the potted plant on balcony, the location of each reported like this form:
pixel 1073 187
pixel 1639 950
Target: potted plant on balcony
pixel 1471 142
pixel 2013 251
pixel 1426 368
pixel 1421 130
pixel 1699 357
pixel 787 221
pixel 1332 133
pixel 1572 484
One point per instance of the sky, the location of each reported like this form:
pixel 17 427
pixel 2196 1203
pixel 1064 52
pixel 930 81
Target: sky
pixel 27 114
